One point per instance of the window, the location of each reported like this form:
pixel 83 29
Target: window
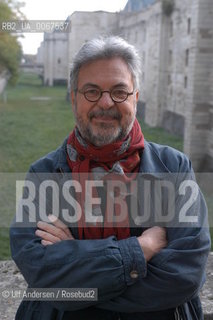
pixel 187 57
pixel 59 60
pixel 189 25
pixel 170 57
pixel 185 82
pixel 171 29
pixel 144 34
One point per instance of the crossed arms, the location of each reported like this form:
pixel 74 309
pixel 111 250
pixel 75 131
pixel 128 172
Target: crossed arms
pixel 151 240
pixel 169 263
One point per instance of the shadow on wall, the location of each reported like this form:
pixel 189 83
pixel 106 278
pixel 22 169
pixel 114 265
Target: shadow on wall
pixel 141 107
pixel 173 123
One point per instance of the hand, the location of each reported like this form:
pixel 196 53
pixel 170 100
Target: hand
pixel 152 241
pixel 52 233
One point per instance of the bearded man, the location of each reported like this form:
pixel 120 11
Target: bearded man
pixel 146 272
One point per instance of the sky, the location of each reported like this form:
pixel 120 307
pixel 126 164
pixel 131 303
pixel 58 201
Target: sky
pixel 59 10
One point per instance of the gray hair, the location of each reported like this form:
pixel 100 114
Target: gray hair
pixel 106 48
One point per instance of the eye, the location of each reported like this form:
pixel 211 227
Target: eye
pixel 92 93
pixel 119 93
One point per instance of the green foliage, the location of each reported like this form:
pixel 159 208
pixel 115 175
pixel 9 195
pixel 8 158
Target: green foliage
pixel 5 11
pixel 11 10
pixel 168 7
pixel 10 55
pixel 10 49
pixel 16 6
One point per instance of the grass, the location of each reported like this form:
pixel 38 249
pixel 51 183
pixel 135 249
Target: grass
pixel 28 130
pixel 159 135
pixel 31 128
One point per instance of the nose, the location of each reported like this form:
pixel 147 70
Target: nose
pixel 105 100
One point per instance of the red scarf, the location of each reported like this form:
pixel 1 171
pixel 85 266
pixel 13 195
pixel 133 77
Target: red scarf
pixel 116 160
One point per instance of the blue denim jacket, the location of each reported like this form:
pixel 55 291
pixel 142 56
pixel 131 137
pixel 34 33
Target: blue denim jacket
pixel 166 287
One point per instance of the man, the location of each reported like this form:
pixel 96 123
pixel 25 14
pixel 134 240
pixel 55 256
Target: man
pixel 145 272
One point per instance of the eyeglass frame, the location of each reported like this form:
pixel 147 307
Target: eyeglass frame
pixel 101 93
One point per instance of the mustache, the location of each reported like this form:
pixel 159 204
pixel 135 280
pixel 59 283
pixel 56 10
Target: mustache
pixel 112 113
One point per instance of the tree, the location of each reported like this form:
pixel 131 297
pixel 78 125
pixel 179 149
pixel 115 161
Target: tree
pixel 10 49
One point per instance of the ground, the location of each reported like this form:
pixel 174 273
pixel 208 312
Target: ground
pixel 11 280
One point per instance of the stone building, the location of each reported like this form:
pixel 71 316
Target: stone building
pixel 198 138
pixel 177 82
pixel 175 40
pixel 40 54
pixel 53 55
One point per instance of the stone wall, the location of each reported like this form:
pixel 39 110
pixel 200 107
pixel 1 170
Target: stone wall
pixel 11 279
pixel 199 125
pixel 54 52
pixel 143 29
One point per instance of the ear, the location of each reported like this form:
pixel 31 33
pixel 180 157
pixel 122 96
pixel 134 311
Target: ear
pixel 136 96
pixel 72 97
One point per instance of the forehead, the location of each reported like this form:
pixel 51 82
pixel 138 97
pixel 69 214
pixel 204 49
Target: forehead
pixel 105 73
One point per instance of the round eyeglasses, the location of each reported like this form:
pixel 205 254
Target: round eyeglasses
pixel 117 95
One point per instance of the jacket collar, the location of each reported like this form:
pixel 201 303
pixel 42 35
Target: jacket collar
pixel 150 161
pixel 62 165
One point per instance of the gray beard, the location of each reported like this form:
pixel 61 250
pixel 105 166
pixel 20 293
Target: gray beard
pixel 101 140
pixel 109 136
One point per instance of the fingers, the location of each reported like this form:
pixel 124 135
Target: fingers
pixel 46 243
pixel 155 231
pixel 54 232
pixel 152 241
pixel 47 236
pixel 58 223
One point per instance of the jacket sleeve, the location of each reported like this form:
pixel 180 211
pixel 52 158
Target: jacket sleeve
pixel 100 264
pixel 104 264
pixel 176 274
